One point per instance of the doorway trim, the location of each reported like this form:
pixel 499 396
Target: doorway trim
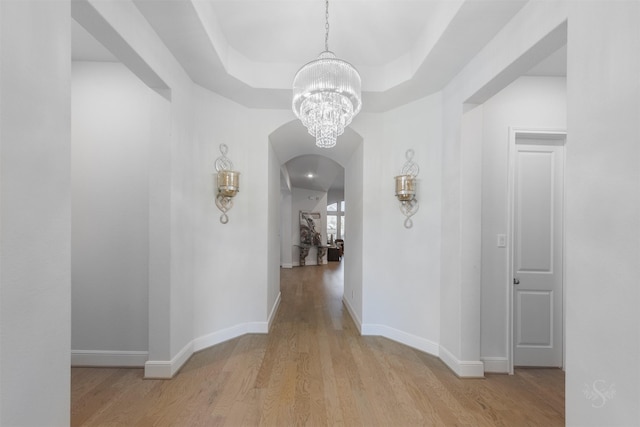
pixel 536 133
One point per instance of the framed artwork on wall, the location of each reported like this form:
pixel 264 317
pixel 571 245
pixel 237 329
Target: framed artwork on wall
pixel 310 228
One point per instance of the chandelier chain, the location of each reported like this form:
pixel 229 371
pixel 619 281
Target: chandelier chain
pixel 326 26
pixel 326 94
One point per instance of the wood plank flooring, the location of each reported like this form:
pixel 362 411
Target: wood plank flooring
pixel 314 369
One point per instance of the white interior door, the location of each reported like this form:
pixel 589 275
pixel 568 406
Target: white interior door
pixel 537 252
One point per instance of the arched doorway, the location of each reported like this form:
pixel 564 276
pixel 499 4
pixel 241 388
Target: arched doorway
pixel 291 141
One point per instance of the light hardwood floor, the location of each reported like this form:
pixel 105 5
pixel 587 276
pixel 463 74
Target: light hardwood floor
pixel 313 368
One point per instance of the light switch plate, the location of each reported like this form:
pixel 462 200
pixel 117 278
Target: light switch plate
pixel 502 241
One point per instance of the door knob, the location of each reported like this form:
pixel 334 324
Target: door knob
pixel 516 281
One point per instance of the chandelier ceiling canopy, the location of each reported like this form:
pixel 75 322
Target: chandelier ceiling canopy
pixel 326 94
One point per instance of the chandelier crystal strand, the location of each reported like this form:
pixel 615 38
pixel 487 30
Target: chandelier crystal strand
pixel 326 94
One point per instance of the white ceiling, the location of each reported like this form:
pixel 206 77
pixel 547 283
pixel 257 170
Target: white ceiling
pixel 363 32
pixel 315 172
pixel 250 50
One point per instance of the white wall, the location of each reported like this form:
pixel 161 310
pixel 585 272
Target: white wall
pixel 450 287
pixel 110 211
pixel 353 272
pixel 274 238
pixel 603 214
pixel 236 276
pixel 400 266
pixel 469 244
pixel 603 208
pixel 528 103
pixel 35 213
pixel 121 28
pixel 286 242
pixel 210 295
pixel 602 194
pixel 535 31
pixel 307 201
pixel 201 291
pixel 205 271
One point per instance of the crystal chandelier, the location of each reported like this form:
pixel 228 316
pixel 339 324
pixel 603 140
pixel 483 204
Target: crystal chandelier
pixel 326 94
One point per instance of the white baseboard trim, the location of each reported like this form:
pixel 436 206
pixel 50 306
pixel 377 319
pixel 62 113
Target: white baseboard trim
pixel 274 311
pixel 256 328
pixel 353 314
pixel 496 365
pixel 401 337
pixel 227 334
pixel 110 359
pixel 287 265
pixel 162 369
pixel 462 368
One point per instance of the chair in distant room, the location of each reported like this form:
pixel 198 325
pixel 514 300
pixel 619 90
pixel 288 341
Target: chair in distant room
pixel 340 245
pixel 335 252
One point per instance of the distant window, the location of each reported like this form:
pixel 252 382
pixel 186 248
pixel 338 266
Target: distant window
pixel 332 226
pixel 335 220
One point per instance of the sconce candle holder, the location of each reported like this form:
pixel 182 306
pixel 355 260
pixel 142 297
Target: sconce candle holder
pixel 228 183
pixel 406 188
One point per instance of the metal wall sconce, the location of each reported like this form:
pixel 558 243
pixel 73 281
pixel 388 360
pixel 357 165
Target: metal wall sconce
pixel 228 182
pixel 406 188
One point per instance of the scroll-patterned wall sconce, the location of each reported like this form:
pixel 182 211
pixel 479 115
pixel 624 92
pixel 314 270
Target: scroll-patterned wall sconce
pixel 406 188
pixel 228 183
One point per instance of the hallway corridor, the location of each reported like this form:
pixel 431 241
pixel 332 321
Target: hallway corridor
pixel 314 368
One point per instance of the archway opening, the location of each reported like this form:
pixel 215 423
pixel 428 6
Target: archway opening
pixel 336 174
